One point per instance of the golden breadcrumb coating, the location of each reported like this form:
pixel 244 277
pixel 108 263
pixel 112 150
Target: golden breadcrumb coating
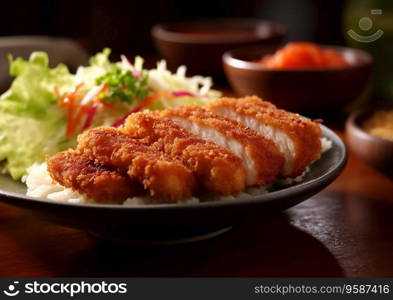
pixel 159 174
pixel 304 133
pixel 266 160
pixel 80 173
pixel 230 144
pixel 217 169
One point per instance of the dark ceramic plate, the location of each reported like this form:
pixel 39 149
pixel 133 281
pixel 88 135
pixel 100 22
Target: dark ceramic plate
pixel 177 223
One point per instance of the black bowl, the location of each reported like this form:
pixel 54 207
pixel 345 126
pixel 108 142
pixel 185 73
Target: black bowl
pixel 199 44
pixel 178 222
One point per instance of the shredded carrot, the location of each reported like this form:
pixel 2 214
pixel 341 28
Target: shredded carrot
pixel 57 92
pixel 69 116
pixel 78 86
pixel 143 104
pixel 108 105
pixel 76 111
pixel 68 101
pixel 75 121
pixel 149 100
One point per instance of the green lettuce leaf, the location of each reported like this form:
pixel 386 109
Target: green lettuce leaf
pixel 31 123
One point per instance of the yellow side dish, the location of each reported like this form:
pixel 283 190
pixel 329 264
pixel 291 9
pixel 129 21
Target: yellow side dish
pixel 380 124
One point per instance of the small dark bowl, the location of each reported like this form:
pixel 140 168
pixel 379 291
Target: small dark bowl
pixel 303 90
pixel 200 44
pixel 374 150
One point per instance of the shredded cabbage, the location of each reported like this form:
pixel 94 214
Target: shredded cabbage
pixel 34 120
pixel 31 123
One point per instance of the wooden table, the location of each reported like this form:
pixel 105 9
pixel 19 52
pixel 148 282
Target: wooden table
pixel 346 230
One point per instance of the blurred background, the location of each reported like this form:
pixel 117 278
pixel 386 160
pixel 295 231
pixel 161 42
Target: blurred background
pixel 125 26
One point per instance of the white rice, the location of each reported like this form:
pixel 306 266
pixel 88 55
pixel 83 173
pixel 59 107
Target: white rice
pixel 40 185
pixel 326 144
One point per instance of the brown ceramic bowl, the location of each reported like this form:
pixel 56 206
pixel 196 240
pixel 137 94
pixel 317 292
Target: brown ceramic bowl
pixel 374 150
pixel 200 44
pixel 303 90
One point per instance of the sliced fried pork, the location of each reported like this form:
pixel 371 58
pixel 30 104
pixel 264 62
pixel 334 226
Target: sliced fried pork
pixel 217 169
pixel 297 138
pixel 261 159
pixel 159 174
pixel 80 173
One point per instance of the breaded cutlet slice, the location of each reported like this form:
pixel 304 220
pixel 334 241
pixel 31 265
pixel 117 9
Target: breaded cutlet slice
pixel 96 181
pixel 261 159
pixel 217 170
pixel 297 138
pixel 160 174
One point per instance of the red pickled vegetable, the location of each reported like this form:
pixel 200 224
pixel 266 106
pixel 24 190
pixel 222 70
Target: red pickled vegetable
pixel 302 55
pixel 182 93
pixel 90 116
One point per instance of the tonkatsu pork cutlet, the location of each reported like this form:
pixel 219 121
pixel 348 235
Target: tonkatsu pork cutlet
pixel 159 174
pixel 297 138
pixel 261 159
pixel 217 169
pixel 98 182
